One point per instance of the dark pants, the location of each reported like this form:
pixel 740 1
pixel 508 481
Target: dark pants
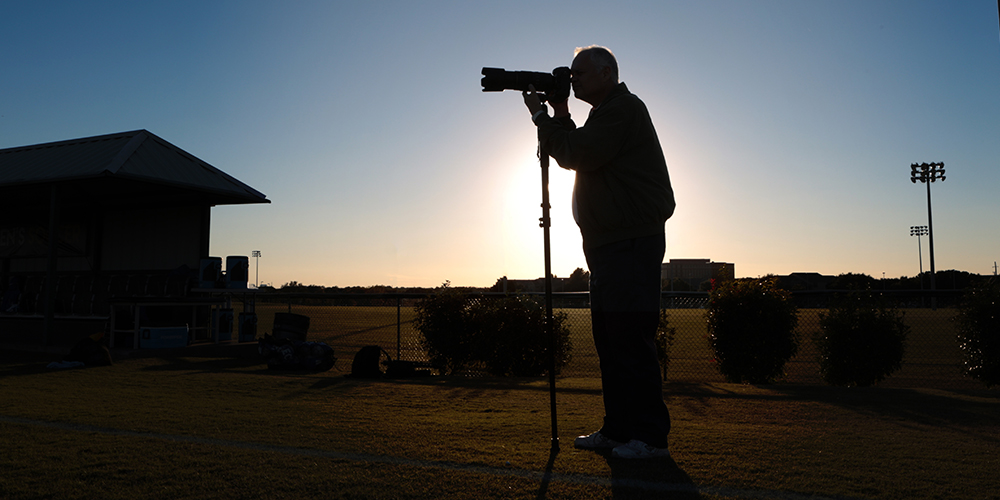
pixel 624 311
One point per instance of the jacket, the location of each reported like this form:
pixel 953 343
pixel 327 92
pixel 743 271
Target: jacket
pixel 622 187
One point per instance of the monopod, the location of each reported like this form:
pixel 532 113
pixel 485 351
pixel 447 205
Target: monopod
pixel 545 222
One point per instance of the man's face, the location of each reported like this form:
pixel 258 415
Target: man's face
pixel 588 80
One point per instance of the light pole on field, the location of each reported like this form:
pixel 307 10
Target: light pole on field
pixel 256 272
pixel 919 231
pixel 928 173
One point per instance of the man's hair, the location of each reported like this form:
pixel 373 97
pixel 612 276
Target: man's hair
pixel 601 57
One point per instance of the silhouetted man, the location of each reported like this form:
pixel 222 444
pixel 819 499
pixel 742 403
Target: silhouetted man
pixel 621 200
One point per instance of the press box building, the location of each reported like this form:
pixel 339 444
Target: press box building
pixel 131 216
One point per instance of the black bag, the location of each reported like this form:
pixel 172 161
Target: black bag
pixel 288 354
pixel 367 362
pixel 91 351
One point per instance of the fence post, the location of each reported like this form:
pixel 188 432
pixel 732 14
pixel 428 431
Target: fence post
pixel 399 328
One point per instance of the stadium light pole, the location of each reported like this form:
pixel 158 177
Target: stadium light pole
pixel 919 231
pixel 256 272
pixel 928 173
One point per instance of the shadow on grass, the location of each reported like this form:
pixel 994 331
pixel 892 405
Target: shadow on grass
pixel 537 384
pixel 21 369
pixel 635 479
pixel 959 410
pixel 547 476
pixel 208 365
pixel 19 363
pixel 649 478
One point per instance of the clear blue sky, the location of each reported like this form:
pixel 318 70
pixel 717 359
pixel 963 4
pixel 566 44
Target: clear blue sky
pixel 789 127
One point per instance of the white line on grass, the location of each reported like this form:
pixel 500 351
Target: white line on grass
pixel 579 479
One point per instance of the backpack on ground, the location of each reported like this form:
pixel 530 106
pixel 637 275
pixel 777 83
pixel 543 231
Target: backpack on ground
pixel 368 362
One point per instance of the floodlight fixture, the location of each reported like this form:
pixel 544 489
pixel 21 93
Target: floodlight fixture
pixel 926 172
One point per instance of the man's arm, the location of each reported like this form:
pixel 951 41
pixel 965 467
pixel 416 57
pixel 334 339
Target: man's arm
pixel 592 146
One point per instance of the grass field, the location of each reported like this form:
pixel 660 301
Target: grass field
pixel 177 425
pixel 193 423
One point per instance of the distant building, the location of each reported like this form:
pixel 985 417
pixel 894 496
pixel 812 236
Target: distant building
pixel 805 281
pixel 536 285
pixel 694 272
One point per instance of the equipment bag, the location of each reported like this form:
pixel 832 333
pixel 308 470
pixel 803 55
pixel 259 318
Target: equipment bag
pixel 367 362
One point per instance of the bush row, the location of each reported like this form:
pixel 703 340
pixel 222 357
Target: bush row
pixel 861 340
pixel 751 331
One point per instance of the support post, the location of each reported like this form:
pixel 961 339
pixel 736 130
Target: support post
pixel 399 327
pixel 50 271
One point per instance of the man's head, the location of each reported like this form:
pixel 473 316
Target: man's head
pixel 595 74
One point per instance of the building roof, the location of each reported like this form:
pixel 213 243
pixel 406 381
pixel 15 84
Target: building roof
pixel 127 167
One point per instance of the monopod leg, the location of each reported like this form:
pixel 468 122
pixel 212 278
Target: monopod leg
pixel 545 222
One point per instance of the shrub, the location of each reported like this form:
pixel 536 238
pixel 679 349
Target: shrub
pixel 979 331
pixel 504 337
pixel 445 320
pixel 513 337
pixel 751 329
pixel 664 341
pixel 861 340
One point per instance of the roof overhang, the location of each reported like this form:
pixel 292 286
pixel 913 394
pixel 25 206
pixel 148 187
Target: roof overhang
pixel 132 168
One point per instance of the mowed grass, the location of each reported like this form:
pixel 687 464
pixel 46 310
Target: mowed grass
pixel 176 425
pixel 190 425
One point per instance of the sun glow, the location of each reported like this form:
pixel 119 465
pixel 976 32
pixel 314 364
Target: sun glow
pixel 522 235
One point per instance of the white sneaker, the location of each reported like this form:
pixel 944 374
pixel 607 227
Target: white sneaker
pixel 595 441
pixel 638 449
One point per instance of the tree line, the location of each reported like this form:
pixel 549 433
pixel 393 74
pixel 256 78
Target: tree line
pixel 579 280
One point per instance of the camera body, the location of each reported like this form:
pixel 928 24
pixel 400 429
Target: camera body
pixel 553 87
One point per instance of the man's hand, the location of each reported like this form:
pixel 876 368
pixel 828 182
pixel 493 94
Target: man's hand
pixel 531 100
pixel 534 104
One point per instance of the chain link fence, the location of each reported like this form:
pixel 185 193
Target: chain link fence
pixel 349 322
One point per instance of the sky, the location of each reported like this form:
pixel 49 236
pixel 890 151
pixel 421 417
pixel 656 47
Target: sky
pixel 789 127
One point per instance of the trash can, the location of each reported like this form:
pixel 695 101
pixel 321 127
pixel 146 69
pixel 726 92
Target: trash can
pixel 248 327
pixel 222 324
pixel 237 271
pixel 210 272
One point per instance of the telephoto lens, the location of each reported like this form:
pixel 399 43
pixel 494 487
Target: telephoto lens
pixel 497 79
pixel 554 86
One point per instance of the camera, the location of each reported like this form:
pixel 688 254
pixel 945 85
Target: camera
pixel 553 87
